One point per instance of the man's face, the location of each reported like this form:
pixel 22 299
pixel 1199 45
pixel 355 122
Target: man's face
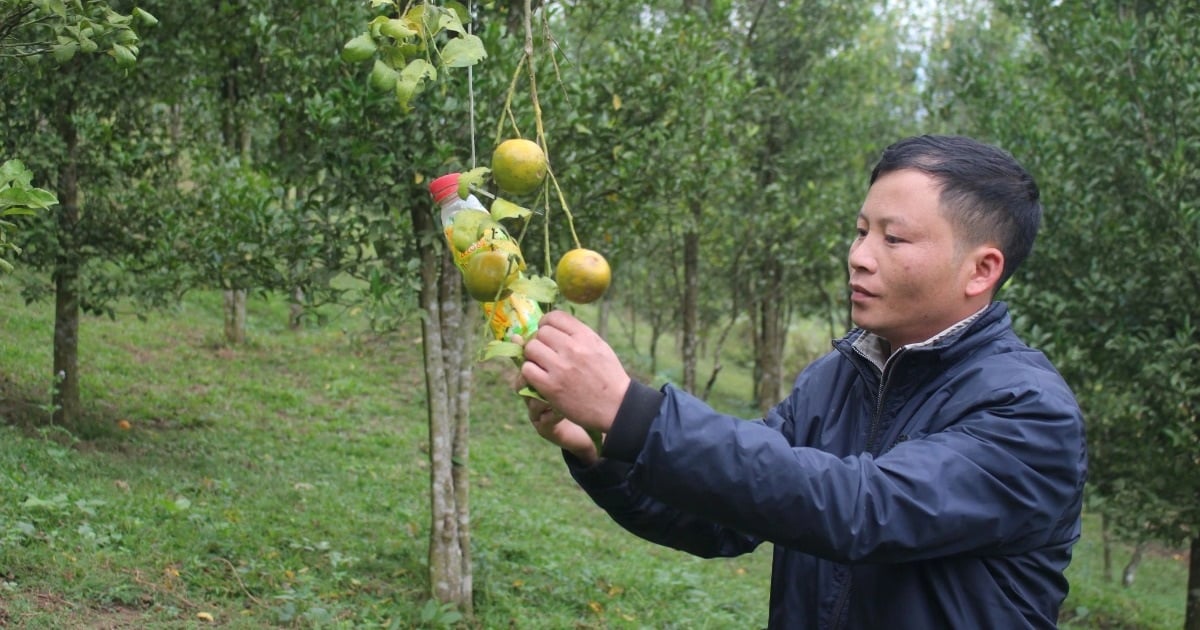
pixel 907 277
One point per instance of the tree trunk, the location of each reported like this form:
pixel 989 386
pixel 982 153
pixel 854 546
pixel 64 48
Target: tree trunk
pixel 691 299
pixel 235 137
pixel 770 337
pixel 296 309
pixel 1192 617
pixel 448 378
pixel 655 333
pixel 235 316
pixel 1135 560
pixel 1106 542
pixel 67 405
pixel 604 311
pixel 716 355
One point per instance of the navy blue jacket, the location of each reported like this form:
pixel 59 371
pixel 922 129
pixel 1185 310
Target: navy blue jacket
pixel 941 491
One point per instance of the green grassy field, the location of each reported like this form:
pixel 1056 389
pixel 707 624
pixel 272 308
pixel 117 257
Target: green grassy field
pixel 284 483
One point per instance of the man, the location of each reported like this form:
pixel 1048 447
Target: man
pixel 926 473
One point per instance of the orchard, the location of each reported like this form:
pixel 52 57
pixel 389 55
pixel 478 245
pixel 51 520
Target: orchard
pixel 317 188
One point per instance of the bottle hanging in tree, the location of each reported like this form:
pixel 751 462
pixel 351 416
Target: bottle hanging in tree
pixel 488 257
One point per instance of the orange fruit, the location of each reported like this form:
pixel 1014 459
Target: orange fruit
pixel 124 425
pixel 519 166
pixel 582 276
pixel 488 274
pixel 509 246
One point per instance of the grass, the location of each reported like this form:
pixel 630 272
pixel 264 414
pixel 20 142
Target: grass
pixel 284 483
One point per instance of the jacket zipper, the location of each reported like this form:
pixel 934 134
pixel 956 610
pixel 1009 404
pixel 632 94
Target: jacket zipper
pixel 839 610
pixel 877 419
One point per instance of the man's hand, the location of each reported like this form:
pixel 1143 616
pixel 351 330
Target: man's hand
pixel 555 429
pixel 574 369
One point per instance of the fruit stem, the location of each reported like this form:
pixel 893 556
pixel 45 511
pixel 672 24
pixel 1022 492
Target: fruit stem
pixel 562 200
pixel 480 191
pixel 533 93
pixel 508 98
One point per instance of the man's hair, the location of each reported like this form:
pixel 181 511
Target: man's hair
pixel 987 196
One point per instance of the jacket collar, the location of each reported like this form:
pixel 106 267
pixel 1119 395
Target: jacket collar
pixel 876 350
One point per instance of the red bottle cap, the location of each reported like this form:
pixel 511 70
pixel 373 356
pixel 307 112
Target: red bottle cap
pixel 444 186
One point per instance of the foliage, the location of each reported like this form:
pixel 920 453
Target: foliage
pixel 33 28
pixel 410 43
pixel 18 197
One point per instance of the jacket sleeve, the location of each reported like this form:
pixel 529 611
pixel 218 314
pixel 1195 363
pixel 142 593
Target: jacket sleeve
pixel 1004 477
pixel 608 485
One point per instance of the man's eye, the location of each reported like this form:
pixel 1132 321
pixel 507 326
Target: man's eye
pixel 861 232
pixel 892 239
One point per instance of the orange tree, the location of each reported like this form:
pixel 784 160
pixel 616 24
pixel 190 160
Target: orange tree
pixel 63 66
pixel 414 57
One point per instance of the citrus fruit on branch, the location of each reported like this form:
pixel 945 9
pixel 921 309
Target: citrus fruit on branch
pixel 582 276
pixel 519 166
pixel 488 274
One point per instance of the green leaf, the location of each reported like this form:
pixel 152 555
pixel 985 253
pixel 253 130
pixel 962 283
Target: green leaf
pixel 536 288
pixel 145 17
pixel 505 209
pixel 397 29
pixel 116 19
pixel 27 197
pixel 505 349
pixel 383 77
pixel 406 88
pixel 450 21
pixel 359 49
pixel 64 52
pixel 124 55
pixel 530 392
pixel 419 69
pixel 411 80
pixel 472 178
pixel 463 51
pixel 126 36
pixel 16 172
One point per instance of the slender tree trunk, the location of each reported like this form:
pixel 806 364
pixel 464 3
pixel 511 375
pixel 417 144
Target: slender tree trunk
pixel 716 355
pixel 1135 560
pixel 448 379
pixel 1192 618
pixel 66 401
pixel 1106 542
pixel 605 311
pixel 632 318
pixel 235 316
pixel 655 333
pixel 691 298
pixel 296 309
pixel 770 338
pixel 235 137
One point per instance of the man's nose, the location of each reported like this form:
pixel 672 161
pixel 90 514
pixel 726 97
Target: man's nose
pixel 860 256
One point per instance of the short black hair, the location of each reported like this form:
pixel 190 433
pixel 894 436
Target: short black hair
pixel 985 193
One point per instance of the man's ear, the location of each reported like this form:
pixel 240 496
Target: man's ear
pixel 986 268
